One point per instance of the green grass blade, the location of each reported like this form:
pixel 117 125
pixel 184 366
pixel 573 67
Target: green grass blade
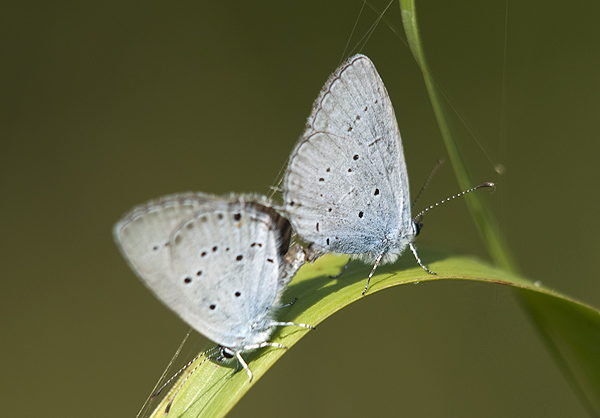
pixel 569 328
pixel 485 221
pixel 571 331
pixel 214 389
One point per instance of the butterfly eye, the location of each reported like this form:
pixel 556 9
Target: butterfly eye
pixel 227 353
pixel 417 225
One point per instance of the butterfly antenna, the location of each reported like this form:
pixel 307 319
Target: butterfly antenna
pixel 481 186
pixel 189 363
pixel 437 165
pixel 208 357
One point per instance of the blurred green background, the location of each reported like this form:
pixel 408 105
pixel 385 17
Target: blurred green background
pixel 104 105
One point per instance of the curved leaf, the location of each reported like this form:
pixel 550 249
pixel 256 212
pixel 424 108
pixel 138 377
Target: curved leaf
pixel 214 389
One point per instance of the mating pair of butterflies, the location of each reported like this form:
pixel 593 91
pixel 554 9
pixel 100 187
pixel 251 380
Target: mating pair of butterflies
pixel 222 264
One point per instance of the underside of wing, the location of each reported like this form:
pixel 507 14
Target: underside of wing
pixel 346 187
pixel 227 263
pixel 216 262
pixel 143 235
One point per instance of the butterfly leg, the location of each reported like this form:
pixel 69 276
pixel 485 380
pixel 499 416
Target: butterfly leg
pixel 414 251
pixel 287 305
pixel 342 271
pixel 372 272
pixel 289 324
pixel 265 344
pixel 241 361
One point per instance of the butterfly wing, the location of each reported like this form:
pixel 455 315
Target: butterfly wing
pixel 144 234
pixel 218 268
pixel 346 187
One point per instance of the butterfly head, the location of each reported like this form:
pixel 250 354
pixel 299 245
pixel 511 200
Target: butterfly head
pixel 417 224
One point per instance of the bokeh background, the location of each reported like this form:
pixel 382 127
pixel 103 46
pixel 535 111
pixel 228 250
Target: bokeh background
pixel 104 105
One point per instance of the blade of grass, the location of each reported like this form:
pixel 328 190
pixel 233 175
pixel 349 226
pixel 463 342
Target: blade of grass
pixel 569 329
pixel 214 389
pixel 485 221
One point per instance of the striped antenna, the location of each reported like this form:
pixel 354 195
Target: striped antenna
pixel 481 186
pixel 210 353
